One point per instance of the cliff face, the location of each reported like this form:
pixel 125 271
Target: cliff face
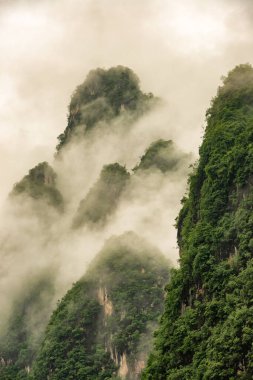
pixel 206 331
pixel 102 327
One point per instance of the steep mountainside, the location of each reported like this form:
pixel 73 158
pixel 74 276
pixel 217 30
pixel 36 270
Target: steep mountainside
pixel 103 96
pixel 40 184
pixel 162 155
pixel 102 199
pixel 206 331
pixel 102 325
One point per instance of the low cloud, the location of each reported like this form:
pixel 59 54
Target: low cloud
pixel 47 48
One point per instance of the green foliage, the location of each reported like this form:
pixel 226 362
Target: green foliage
pixel 11 372
pixel 105 314
pixel 206 331
pixel 103 96
pixel 103 197
pixel 40 184
pixel 69 350
pixel 162 155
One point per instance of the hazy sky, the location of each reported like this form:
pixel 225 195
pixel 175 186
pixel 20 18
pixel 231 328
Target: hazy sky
pixel 178 49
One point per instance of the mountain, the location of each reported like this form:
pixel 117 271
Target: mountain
pixel 40 184
pixel 102 199
pixel 206 331
pixel 162 155
pixel 103 96
pixel 102 327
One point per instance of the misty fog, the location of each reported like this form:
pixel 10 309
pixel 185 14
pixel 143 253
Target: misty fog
pixel 179 52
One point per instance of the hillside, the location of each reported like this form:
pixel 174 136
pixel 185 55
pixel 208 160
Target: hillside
pixel 162 155
pixel 206 331
pixel 40 185
pixel 99 328
pixel 101 201
pixel 103 96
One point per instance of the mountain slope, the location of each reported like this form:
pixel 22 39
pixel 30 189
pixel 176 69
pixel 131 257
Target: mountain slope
pixel 103 96
pixel 103 197
pixel 40 184
pixel 162 155
pixel 97 329
pixel 206 331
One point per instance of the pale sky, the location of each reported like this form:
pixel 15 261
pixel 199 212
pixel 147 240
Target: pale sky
pixel 179 50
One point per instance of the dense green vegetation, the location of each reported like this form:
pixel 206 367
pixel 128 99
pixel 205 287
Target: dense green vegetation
pixel 206 331
pixel 106 314
pixel 103 197
pixel 104 95
pixel 162 155
pixel 40 184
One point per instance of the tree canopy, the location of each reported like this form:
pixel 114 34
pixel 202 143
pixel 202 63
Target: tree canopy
pixel 206 331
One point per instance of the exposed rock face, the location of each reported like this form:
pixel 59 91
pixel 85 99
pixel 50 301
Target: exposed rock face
pixel 139 366
pixel 123 367
pixel 104 301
